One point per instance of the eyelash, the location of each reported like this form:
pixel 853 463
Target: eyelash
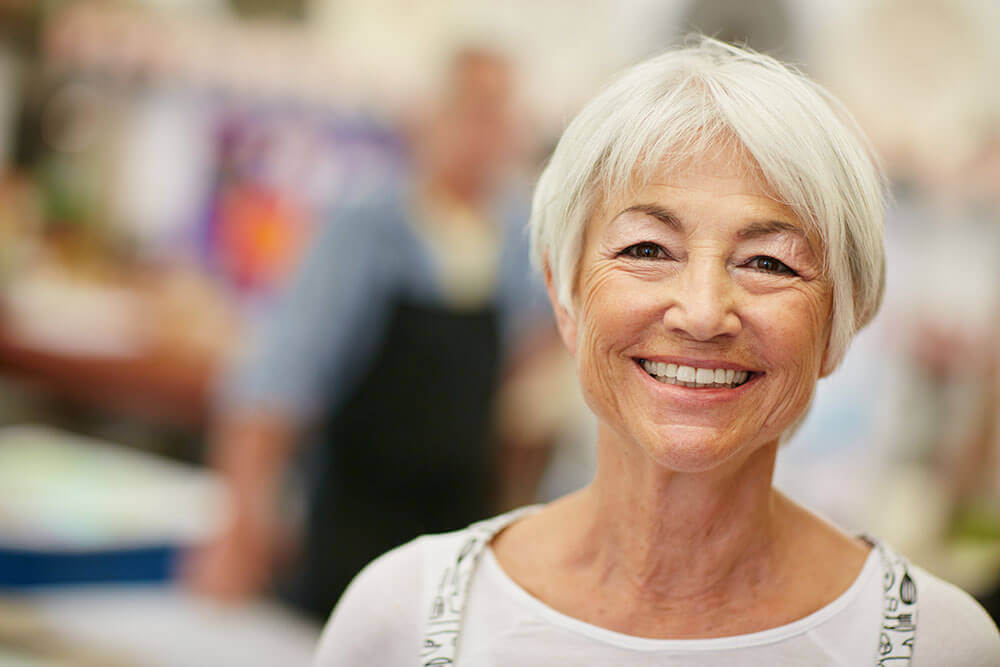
pixel 781 269
pixel 754 262
pixel 633 251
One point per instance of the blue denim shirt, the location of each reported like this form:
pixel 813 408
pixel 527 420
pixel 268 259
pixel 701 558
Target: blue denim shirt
pixel 328 324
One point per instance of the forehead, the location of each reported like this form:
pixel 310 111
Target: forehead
pixel 720 184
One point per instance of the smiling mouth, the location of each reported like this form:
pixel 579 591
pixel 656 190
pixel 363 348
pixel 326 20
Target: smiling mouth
pixel 694 377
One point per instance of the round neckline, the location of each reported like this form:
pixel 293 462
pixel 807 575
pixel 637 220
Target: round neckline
pixel 622 640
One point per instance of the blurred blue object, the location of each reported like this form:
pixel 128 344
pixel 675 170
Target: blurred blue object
pixel 22 569
pixel 77 510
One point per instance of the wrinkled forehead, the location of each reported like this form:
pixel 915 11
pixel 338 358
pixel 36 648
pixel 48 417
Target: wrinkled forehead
pixel 718 155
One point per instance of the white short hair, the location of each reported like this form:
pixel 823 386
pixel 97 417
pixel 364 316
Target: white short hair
pixel 665 111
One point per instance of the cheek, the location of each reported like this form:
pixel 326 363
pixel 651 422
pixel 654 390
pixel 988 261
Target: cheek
pixel 794 341
pixel 792 336
pixel 814 322
pixel 795 325
pixel 613 314
pixel 610 321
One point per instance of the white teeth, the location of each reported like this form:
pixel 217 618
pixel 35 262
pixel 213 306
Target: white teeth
pixel 704 376
pixel 689 376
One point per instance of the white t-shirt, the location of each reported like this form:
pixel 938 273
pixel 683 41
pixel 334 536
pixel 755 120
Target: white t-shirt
pixel 380 621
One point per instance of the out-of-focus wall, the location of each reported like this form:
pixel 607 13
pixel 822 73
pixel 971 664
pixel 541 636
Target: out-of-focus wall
pixel 920 76
pixel 565 52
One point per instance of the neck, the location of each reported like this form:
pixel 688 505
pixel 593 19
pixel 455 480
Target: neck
pixel 683 536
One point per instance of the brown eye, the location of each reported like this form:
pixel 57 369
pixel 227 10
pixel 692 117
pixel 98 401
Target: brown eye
pixel 645 251
pixel 769 265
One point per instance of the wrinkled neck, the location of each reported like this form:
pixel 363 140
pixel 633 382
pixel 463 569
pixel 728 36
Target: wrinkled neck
pixel 682 535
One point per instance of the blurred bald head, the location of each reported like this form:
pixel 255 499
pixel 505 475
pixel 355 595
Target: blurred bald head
pixel 468 138
pixel 477 75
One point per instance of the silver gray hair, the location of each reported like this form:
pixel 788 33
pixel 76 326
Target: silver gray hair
pixel 712 96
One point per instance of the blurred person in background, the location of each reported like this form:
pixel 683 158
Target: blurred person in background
pixel 411 309
pixel 710 228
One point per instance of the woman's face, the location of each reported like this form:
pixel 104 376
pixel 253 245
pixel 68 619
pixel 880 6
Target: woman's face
pixel 701 319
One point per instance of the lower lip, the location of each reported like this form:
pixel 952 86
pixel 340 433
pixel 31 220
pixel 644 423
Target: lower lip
pixel 697 395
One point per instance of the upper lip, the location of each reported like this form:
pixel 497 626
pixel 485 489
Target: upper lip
pixel 697 363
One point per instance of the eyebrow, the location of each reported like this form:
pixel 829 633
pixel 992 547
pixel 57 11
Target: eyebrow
pixel 751 231
pixel 758 229
pixel 665 216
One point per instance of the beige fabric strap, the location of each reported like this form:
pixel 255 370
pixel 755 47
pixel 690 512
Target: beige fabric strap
pixel 899 611
pixel 443 621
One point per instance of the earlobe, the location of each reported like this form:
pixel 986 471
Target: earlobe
pixel 565 322
pixel 827 365
pixel 830 360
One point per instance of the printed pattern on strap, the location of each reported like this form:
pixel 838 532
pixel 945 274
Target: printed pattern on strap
pixel 899 611
pixel 444 620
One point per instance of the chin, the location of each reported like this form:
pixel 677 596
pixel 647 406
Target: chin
pixel 697 449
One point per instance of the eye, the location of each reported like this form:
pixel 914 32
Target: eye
pixel 645 250
pixel 770 265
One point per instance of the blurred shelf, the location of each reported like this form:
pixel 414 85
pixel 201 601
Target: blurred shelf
pixel 170 389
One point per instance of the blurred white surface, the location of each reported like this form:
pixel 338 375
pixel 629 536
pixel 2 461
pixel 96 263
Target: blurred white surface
pixel 62 491
pixel 174 628
pixel 66 316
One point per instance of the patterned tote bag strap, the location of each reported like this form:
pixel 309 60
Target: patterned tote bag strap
pixel 447 576
pixel 899 609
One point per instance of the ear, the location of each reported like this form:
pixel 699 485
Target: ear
pixel 826 363
pixel 564 320
pixel 826 369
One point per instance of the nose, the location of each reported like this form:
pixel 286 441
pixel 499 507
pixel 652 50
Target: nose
pixel 702 306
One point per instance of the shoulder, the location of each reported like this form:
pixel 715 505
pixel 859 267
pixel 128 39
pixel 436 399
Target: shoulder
pixel 388 207
pixel 378 620
pixel 952 628
pixel 352 232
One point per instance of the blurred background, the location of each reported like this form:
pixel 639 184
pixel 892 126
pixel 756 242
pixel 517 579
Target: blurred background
pixel 203 273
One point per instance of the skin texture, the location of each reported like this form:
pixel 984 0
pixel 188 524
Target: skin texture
pixel 681 534
pixel 703 297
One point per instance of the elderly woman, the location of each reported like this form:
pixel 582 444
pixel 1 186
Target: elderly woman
pixel 710 231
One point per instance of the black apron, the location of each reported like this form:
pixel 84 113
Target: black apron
pixel 409 453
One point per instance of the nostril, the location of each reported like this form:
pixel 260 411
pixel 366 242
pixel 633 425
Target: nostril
pixel 702 324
